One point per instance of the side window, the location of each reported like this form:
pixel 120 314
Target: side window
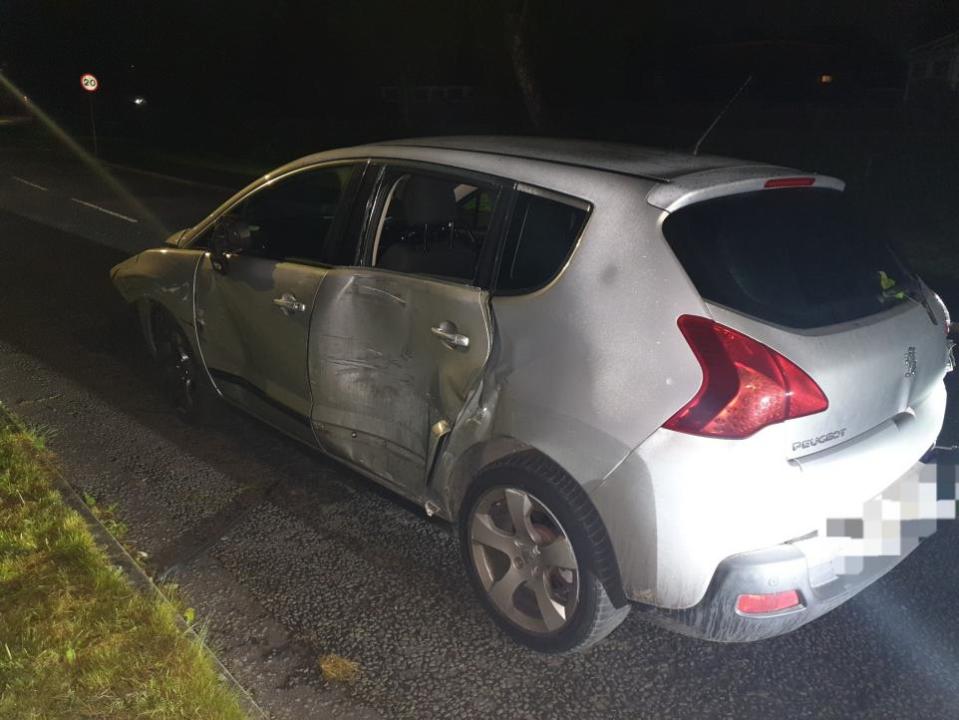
pixel 540 238
pixel 474 207
pixel 434 226
pixel 293 219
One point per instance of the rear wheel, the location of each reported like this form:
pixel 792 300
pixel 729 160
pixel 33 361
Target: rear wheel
pixel 530 541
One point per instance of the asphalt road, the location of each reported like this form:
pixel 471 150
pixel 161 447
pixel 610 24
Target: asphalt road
pixel 288 557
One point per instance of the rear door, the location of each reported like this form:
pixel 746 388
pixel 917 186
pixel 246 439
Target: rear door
pixel 398 344
pixel 798 271
pixel 253 314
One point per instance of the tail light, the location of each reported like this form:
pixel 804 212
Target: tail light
pixel 789 182
pixel 746 385
pixel 768 603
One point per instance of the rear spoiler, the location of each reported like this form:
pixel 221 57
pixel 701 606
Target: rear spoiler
pixel 695 187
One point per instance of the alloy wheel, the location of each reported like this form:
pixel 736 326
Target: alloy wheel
pixel 524 560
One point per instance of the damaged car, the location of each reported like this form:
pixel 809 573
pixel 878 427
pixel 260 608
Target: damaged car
pixel 631 378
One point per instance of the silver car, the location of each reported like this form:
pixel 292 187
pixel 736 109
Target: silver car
pixel 630 377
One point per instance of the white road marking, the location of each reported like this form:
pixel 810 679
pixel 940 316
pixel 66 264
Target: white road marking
pixel 27 182
pixel 104 210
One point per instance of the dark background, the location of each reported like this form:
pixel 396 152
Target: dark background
pixel 258 528
pixel 241 86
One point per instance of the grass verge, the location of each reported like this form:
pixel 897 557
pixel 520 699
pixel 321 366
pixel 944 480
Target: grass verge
pixel 76 640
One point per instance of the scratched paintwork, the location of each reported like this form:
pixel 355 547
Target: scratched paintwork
pixel 161 277
pixel 379 373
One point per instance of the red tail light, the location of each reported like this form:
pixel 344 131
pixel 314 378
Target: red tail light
pixel 746 385
pixel 770 603
pixel 790 182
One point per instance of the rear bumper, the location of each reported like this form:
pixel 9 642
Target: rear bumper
pixel 778 568
pixel 679 505
pixel 823 583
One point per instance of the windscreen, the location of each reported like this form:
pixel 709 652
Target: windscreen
pixel 794 257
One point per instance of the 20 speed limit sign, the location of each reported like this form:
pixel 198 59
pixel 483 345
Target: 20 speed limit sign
pixel 89 82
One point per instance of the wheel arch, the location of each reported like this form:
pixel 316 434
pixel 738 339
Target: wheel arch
pixel 149 310
pixel 471 462
pixel 508 450
pixel 159 278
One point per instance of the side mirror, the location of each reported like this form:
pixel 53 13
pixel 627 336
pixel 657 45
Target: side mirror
pixel 174 239
pixel 230 235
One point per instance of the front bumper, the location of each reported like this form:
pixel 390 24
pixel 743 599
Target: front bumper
pixel 893 525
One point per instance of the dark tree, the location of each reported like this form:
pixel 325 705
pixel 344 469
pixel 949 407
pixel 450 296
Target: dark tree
pixel 517 24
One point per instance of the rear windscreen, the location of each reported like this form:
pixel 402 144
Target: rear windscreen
pixel 795 257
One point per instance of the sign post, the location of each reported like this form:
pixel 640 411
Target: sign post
pixel 90 83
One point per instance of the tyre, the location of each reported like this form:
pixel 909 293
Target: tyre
pixel 181 375
pixel 531 543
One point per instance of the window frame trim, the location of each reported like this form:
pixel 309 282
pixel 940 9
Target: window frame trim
pixel 491 252
pixel 361 166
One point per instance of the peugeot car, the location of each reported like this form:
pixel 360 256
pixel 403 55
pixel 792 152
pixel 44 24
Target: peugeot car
pixel 631 378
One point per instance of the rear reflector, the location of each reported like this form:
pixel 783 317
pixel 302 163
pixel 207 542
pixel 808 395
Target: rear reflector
pixel 763 604
pixel 746 385
pixel 790 182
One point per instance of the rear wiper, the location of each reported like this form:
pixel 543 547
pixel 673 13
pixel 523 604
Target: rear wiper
pixel 919 296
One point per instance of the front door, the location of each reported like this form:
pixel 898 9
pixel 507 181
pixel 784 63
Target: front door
pixel 253 313
pixel 397 347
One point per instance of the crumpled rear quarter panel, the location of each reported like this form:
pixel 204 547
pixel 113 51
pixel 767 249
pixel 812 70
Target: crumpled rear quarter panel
pixel 592 364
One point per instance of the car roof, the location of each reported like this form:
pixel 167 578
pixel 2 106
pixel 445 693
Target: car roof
pixel 650 163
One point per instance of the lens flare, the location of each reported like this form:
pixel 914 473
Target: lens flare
pixel 150 220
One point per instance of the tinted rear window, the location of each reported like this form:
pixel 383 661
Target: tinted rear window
pixel 796 257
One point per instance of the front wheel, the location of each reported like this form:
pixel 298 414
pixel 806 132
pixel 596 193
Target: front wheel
pixel 180 373
pixel 529 540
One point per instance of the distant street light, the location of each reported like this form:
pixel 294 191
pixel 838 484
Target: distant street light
pixel 139 101
pixel 825 79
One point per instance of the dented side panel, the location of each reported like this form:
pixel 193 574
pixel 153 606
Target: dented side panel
pixel 588 367
pixel 163 276
pixel 381 378
pixel 592 364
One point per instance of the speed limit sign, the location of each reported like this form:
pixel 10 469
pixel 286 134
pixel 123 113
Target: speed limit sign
pixel 89 82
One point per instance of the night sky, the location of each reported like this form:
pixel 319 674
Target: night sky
pixel 224 74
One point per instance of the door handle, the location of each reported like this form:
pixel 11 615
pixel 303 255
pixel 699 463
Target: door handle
pixel 446 331
pixel 288 303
